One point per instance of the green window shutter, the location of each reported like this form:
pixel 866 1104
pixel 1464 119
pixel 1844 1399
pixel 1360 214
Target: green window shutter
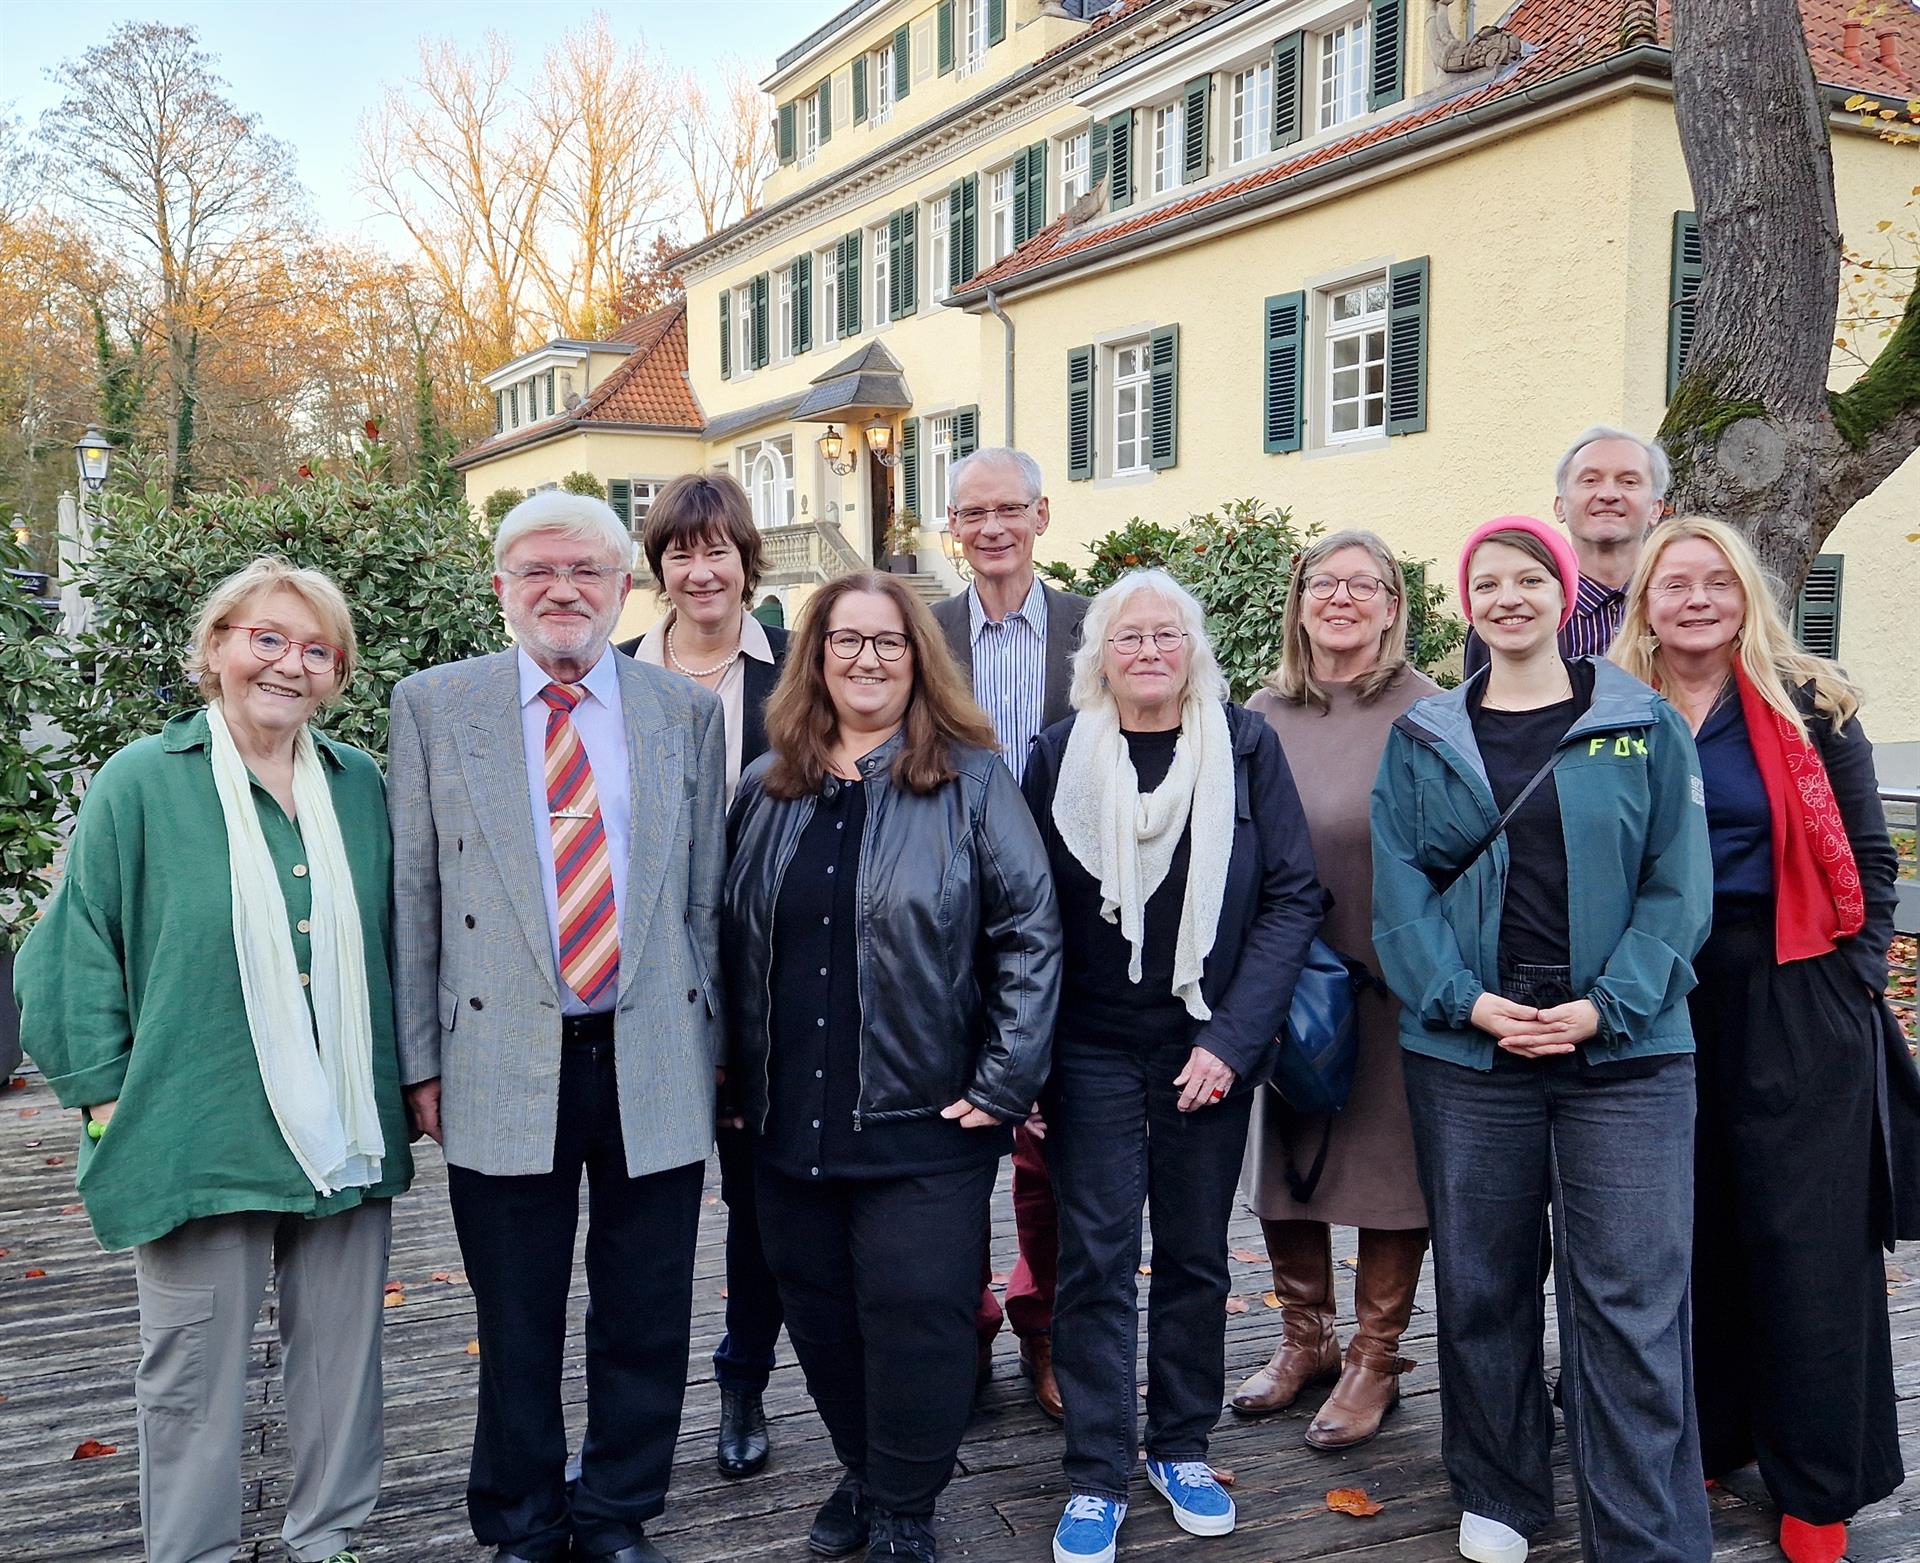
pixel 966 431
pixel 1286 349
pixel 910 465
pixel 1816 616
pixel 825 90
pixel 970 225
pixel 1387 33
pixel 803 302
pixel 1289 89
pixel 1020 200
pixel 1096 154
pixel 943 26
pixel 1683 284
pixel 1163 404
pixel 896 264
pixel 726 333
pixel 955 198
pixel 500 410
pixel 908 270
pixel 1036 188
pixel 1407 346
pixel 762 338
pixel 786 132
pixel 859 88
pixel 996 22
pixel 850 284
pixel 550 374
pixel 1120 157
pixel 1080 453
pixel 1193 151
pixel 902 64
pixel 620 497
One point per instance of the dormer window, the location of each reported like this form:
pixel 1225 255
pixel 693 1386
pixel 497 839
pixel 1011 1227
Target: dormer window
pixel 809 127
pixel 1168 120
pixel 1250 112
pixel 1343 73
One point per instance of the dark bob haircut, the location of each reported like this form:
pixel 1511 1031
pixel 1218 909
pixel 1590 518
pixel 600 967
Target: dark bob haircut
pixel 704 507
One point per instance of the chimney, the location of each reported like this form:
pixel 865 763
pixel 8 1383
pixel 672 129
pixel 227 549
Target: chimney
pixel 1890 51
pixel 1852 34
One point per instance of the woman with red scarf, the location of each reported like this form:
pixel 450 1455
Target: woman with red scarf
pixel 1793 1364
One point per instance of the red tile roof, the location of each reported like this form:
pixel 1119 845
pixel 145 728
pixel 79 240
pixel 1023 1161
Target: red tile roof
pixel 649 386
pixel 1561 36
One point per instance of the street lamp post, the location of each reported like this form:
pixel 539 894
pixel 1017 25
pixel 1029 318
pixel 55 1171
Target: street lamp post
pixel 93 455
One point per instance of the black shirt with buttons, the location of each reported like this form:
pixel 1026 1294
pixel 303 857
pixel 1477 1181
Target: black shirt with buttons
pixel 814 1060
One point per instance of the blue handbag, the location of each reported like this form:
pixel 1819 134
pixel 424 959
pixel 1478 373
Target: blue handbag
pixel 1318 1048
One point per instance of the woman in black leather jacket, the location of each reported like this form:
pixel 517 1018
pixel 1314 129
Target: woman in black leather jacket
pixel 894 968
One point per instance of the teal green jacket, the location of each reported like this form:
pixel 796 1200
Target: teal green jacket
pixel 130 991
pixel 1639 871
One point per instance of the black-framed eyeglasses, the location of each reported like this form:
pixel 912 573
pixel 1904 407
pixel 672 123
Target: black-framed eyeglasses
pixel 316 656
pixel 1129 642
pixel 976 515
pixel 1361 588
pixel 888 645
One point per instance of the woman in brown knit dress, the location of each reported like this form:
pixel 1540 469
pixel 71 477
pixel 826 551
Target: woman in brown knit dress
pixel 1343 679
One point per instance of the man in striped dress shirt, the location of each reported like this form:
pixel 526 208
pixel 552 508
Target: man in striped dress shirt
pixel 1609 489
pixel 1016 637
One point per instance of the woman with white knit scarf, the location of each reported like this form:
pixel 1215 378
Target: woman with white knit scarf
pixel 1188 900
pixel 209 988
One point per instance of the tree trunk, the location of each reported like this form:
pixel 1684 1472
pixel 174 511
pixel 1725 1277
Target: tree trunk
pixel 1756 438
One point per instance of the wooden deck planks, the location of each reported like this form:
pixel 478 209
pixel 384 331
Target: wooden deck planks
pixel 68 1342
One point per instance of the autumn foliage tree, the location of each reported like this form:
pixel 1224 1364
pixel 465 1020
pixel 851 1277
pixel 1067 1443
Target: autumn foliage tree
pixel 1756 435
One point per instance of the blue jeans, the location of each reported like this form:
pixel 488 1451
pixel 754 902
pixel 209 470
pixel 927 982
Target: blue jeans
pixel 1613 1157
pixel 1116 1142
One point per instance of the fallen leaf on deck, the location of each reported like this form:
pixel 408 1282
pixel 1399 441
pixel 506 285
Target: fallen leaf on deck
pixel 1352 1261
pixel 1146 1269
pixel 723 1289
pixel 473 1348
pixel 395 1286
pixel 1246 1256
pixel 1270 1299
pixel 33 1275
pixel 1236 1305
pixel 72 1210
pixel 56 1161
pixel 92 1449
pixel 997 1278
pixel 18 1084
pixel 1351 1500
pixel 34 1145
pixel 451 1277
pixel 29 1112
pixel 394 1300
pixel 1223 1474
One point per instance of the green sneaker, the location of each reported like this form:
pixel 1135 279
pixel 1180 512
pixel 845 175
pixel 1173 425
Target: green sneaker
pixel 344 1557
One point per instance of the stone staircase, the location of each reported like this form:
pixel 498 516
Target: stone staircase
pixel 928 588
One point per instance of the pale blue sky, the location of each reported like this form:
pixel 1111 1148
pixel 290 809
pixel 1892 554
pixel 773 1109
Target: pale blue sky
pixel 312 69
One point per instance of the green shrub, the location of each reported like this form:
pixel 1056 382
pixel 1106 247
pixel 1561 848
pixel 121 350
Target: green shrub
pixel 584 483
pixel 34 781
pixel 415 567
pixel 1238 561
pixel 499 502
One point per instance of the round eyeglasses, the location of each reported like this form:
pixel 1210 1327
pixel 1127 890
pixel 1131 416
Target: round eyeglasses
pixel 316 656
pixel 1361 588
pixel 1129 642
pixel 888 645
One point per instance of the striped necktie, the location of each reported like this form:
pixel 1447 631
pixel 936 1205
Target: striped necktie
pixel 582 869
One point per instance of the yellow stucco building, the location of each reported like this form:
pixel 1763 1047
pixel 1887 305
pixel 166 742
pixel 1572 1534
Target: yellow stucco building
pixel 1350 257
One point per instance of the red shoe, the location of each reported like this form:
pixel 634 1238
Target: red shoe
pixel 1804 1543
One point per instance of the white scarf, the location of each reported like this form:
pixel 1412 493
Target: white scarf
pixel 1127 841
pixel 321 1096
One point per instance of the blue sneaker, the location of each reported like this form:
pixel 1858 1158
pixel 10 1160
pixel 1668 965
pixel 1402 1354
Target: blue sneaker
pixel 1086 1531
pixel 1201 1506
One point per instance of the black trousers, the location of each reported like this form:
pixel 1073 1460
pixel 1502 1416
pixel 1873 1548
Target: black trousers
pixel 516 1238
pixel 1117 1143
pixel 1792 1352
pixel 880 1278
pixel 744 1359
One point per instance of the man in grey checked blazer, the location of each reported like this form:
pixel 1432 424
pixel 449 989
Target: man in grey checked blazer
pixel 525 1082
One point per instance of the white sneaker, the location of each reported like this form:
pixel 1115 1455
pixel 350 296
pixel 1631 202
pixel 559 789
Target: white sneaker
pixel 1488 1541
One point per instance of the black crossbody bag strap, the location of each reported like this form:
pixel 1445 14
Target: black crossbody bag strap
pixel 1446 879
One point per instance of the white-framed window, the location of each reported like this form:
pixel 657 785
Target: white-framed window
pixel 1074 169
pixel 938 460
pixel 939 214
pixel 765 471
pixel 1167 148
pixel 809 127
pixel 1130 375
pixel 880 73
pixel 1355 352
pixel 742 331
pixel 999 214
pixel 1343 73
pixel 783 326
pixel 882 274
pixel 644 492
pixel 1250 112
pixel 970 36
pixel 826 289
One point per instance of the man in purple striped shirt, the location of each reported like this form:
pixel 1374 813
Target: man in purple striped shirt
pixel 1609 489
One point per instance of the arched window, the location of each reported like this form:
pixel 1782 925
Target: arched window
pixel 766 473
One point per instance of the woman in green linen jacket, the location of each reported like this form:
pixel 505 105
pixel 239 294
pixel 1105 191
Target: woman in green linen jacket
pixel 1548 1060
pixel 209 987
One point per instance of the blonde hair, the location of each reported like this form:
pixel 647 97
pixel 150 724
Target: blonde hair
pixel 1764 644
pixel 266 574
pixel 1293 680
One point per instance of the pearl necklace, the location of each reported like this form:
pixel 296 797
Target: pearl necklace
pixel 681 667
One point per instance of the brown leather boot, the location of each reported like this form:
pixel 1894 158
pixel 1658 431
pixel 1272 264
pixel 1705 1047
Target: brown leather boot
pixel 1369 1386
pixel 1309 1352
pixel 1036 1361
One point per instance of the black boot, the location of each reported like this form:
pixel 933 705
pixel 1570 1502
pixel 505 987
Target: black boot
pixel 841 1525
pixel 743 1432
